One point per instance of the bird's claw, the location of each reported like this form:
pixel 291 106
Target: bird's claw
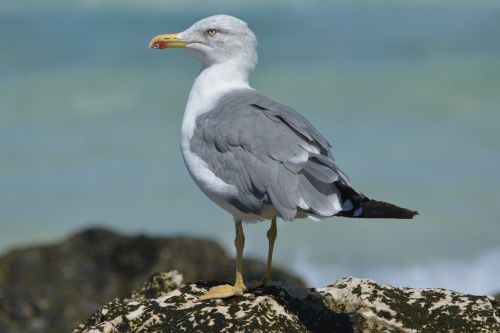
pixel 222 291
pixel 261 283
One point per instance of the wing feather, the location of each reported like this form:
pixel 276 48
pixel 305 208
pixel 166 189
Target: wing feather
pixel 272 154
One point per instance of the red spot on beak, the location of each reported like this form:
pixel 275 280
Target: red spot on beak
pixel 160 45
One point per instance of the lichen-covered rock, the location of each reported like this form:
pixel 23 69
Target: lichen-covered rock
pixel 383 308
pixel 52 288
pixel 164 304
pixel 177 309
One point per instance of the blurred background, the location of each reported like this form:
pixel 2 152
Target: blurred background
pixel 407 93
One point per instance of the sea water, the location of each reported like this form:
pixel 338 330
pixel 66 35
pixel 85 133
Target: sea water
pixel 408 95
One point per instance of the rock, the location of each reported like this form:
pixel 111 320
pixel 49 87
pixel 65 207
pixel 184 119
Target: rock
pixel 383 308
pixel 52 288
pixel 164 304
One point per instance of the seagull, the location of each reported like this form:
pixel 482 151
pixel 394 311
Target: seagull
pixel 254 157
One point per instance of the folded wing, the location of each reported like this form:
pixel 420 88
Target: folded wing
pixel 272 155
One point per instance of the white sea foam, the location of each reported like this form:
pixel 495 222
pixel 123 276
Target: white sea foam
pixel 480 275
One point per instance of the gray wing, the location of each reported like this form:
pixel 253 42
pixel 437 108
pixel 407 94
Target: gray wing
pixel 272 155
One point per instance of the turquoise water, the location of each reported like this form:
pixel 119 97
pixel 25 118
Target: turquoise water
pixel 408 95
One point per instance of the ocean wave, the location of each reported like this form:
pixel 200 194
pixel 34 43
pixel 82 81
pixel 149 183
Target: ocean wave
pixel 479 276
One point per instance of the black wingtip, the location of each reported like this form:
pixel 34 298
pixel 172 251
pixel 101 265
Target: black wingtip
pixel 381 209
pixel 372 209
pixel 367 208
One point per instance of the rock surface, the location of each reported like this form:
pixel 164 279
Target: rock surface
pixel 53 288
pixel 165 304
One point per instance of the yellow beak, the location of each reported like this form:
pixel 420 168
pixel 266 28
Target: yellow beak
pixel 167 40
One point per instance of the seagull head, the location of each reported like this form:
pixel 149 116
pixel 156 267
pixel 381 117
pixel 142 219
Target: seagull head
pixel 219 39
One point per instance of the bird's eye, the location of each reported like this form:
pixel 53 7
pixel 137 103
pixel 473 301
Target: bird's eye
pixel 211 31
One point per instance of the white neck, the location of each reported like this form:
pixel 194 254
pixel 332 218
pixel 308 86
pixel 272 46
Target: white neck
pixel 212 82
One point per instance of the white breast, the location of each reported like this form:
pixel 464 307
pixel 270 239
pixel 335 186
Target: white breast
pixel 210 84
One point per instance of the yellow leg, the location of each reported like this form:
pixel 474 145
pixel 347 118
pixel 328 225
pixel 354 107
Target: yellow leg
pixel 272 233
pixel 239 242
pixel 226 290
pixel 267 280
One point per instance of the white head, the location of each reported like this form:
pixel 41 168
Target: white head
pixel 219 39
